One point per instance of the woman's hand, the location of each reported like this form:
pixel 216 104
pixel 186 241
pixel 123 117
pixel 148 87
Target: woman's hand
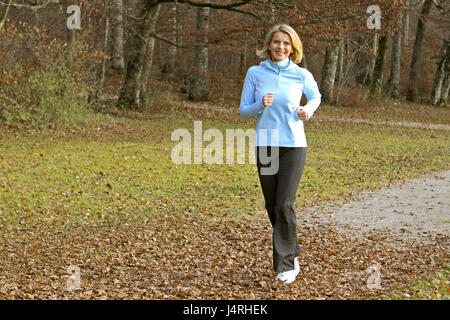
pixel 268 100
pixel 302 114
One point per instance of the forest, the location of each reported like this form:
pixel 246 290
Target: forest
pixel 144 53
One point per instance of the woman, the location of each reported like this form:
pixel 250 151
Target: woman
pixel 272 92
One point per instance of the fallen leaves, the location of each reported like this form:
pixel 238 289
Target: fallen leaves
pixel 222 260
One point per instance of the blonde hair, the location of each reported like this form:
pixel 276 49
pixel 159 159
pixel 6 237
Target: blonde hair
pixel 297 48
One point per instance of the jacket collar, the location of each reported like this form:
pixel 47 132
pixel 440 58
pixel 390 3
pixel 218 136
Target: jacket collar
pixel 278 65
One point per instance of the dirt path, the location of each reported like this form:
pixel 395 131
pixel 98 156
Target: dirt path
pixel 326 118
pixel 418 209
pixel 395 123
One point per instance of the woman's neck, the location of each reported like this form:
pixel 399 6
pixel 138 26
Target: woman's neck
pixel 276 61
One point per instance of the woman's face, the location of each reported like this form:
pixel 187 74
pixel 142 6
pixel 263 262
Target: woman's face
pixel 280 46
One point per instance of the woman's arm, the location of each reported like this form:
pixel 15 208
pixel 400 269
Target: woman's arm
pixel 249 108
pixel 312 93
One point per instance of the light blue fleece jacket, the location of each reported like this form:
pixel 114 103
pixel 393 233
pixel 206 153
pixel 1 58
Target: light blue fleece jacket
pixel 278 124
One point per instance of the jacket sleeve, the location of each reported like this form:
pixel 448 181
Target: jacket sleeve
pixel 312 93
pixel 249 108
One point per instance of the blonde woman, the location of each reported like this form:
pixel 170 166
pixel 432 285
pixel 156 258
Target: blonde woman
pixel 272 92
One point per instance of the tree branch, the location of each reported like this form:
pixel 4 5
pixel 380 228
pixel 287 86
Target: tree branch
pixel 229 7
pixel 5 14
pixel 34 7
pixel 167 41
pixel 214 5
pixel 441 9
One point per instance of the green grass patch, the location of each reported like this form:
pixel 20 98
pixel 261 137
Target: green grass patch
pixel 126 173
pixel 435 286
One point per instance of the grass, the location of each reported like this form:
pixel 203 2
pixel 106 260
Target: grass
pixel 435 286
pixel 124 173
pixel 127 173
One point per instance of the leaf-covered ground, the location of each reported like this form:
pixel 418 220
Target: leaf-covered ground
pixel 189 258
pixel 110 201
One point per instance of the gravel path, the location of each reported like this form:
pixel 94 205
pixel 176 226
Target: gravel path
pixel 418 209
pixel 395 123
pixel 327 118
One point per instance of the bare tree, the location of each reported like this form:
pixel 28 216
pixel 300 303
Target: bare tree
pixel 149 57
pixel 376 82
pixel 130 93
pixel 340 61
pixel 406 24
pixel 169 65
pixel 5 14
pixel 117 34
pixel 417 51
pixel 445 86
pixel 199 89
pixel 396 54
pixel 303 63
pixel 329 72
pixel 105 49
pixel 440 73
pixel 365 63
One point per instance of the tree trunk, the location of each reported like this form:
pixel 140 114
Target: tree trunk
pixel 440 73
pixel 365 63
pixel 117 59
pixel 169 65
pixel 417 52
pixel 446 83
pixel 180 64
pixel 371 65
pixel 344 72
pixel 445 88
pixel 105 51
pixel 394 80
pixel 406 24
pixel 376 82
pixel 148 59
pixel 129 96
pixel 303 63
pixel 199 91
pixel 5 14
pixel 243 55
pixel 329 73
pixel 340 62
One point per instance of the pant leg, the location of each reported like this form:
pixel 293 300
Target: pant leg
pixel 280 192
pixel 268 184
pixel 285 243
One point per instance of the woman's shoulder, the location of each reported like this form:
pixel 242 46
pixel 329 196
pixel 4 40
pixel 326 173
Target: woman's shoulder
pixel 255 71
pixel 303 73
pixel 256 67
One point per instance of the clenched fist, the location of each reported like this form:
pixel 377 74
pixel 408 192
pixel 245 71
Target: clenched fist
pixel 302 115
pixel 268 100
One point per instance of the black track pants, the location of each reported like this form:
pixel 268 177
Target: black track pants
pixel 280 189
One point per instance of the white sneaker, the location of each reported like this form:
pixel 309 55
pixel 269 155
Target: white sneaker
pixel 287 276
pixel 296 267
